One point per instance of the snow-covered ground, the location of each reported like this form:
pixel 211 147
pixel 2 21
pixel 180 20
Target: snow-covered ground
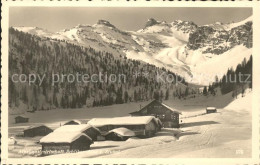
pixel 226 133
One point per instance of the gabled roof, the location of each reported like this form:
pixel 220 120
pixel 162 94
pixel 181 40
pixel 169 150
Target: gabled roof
pixel 163 104
pixel 36 126
pixel 76 121
pixel 22 116
pixel 211 108
pixel 74 128
pixel 63 137
pixel 129 120
pixel 122 132
pixel 170 108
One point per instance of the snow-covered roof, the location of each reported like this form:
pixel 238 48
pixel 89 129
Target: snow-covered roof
pixel 74 128
pixel 211 108
pixel 62 137
pixel 129 120
pixel 122 131
pixel 76 121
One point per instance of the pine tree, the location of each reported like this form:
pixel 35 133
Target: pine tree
pixel 135 96
pixel 205 92
pixel 156 95
pixel 24 95
pixel 161 95
pixel 167 94
pixel 35 96
pixel 94 103
pixel 186 91
pixel 126 96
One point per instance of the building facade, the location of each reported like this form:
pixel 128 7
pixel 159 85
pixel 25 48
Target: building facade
pixel 167 115
pixel 60 142
pixel 21 119
pixel 142 126
pixel 41 130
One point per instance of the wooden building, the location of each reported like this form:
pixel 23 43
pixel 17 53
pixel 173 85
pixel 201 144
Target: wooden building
pixel 211 109
pixel 40 130
pixel 119 134
pixel 21 119
pixel 167 115
pixel 142 126
pixel 73 122
pixel 65 141
pixel 87 129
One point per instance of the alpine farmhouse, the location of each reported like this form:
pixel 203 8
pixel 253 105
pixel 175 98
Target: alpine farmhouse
pixel 168 116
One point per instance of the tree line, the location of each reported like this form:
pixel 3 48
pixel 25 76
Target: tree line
pixel 32 54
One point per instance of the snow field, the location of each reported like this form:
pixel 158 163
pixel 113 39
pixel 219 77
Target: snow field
pixel 201 135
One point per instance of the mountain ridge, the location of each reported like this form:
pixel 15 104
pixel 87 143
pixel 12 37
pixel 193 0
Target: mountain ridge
pixel 179 46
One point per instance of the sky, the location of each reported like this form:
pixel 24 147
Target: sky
pixel 132 19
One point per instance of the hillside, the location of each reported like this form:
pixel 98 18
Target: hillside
pixel 30 54
pixel 181 48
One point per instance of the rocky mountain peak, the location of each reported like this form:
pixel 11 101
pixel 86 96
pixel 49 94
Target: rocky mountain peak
pixel 185 26
pixel 106 23
pixel 218 39
pixel 151 22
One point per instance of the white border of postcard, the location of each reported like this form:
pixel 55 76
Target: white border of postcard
pixel 118 3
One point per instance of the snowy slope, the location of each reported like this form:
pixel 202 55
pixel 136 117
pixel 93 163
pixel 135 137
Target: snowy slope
pixel 40 32
pixel 167 45
pixel 229 26
pixel 201 136
pixel 204 67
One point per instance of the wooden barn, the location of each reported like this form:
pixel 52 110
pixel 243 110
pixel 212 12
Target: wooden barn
pixel 142 126
pixel 87 129
pixel 119 134
pixel 40 130
pixel 21 119
pixel 167 115
pixel 65 141
pixel 73 122
pixel 211 109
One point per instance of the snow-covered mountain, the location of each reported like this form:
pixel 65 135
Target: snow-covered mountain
pixel 180 46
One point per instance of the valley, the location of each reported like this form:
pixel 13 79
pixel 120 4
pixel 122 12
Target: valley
pixel 200 135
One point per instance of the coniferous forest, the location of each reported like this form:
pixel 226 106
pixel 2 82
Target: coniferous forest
pixel 30 54
pixel 42 56
pixel 235 81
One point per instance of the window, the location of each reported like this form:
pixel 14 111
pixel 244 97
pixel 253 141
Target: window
pixel 161 116
pixel 174 117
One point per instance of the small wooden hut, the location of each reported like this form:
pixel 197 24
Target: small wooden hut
pixel 119 134
pixel 87 129
pixel 40 130
pixel 211 109
pixel 65 141
pixel 21 119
